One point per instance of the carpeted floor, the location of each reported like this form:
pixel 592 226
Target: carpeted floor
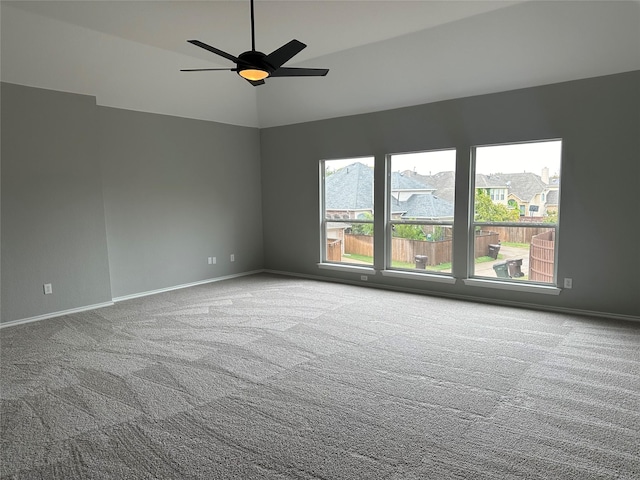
pixel 269 377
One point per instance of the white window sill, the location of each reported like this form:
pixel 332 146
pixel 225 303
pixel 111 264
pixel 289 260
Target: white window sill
pixel 341 267
pixel 425 277
pixel 516 287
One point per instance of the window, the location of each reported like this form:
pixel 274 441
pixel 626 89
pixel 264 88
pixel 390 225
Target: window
pixel 420 193
pixel 347 211
pixel 516 240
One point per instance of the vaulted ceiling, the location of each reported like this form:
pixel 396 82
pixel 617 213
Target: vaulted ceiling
pixel 381 54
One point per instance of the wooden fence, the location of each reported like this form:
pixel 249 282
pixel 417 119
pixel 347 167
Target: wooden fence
pixel 334 250
pixel 518 234
pixel 405 250
pixel 358 245
pixel 483 240
pixel 542 257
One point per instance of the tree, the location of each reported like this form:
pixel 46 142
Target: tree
pixel 551 217
pixel 412 232
pixel 487 211
pixel 363 228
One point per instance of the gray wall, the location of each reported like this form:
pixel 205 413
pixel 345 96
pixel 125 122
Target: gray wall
pixel 177 191
pixel 53 228
pixel 599 122
pixel 104 203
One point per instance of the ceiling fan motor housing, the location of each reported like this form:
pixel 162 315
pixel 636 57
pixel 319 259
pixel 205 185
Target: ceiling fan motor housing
pixel 254 60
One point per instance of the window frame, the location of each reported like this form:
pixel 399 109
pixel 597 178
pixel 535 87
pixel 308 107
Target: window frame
pixel 323 221
pixel 510 283
pixel 389 269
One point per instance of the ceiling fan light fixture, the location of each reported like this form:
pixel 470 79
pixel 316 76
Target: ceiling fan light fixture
pixel 253 74
pixel 255 66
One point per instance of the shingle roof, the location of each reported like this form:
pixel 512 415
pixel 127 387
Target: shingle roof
pixel 426 206
pixel 401 181
pixel 552 197
pixel 490 181
pixel 444 184
pixel 350 188
pixel 523 185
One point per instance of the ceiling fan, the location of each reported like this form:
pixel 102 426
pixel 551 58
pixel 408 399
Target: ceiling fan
pixel 255 66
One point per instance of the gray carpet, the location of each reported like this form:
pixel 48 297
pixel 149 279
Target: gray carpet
pixel 269 377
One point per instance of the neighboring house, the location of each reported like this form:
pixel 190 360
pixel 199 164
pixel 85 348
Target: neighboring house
pixel 516 190
pixel 349 194
pixel 551 201
pixel 422 207
pixel 403 187
pixel 496 187
pixel 526 191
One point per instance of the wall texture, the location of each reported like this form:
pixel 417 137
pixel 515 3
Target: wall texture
pixel 177 191
pixel 104 203
pixel 599 122
pixel 53 228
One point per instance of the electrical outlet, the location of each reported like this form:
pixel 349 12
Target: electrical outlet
pixel 48 290
pixel 213 260
pixel 364 278
pixel 568 283
pixel 233 257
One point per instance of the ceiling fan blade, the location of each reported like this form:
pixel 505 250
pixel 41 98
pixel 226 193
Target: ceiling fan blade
pixel 300 72
pixel 279 57
pixel 215 50
pixel 255 83
pixel 206 69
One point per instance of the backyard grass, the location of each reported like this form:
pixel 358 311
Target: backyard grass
pixel 488 259
pixel 359 258
pixel 409 265
pixel 406 265
pixel 516 245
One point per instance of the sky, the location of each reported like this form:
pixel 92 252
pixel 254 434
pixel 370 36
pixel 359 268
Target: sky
pixel 513 158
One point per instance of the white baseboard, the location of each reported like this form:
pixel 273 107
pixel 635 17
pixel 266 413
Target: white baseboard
pixel 120 299
pixel 60 313
pixel 185 285
pixel 468 298
pixel 572 311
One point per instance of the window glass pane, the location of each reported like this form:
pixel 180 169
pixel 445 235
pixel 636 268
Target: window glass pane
pixel 348 210
pixel 517 253
pixel 421 208
pixel 516 211
pixel 519 180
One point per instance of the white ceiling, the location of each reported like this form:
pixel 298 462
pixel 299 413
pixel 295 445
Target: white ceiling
pixel 382 54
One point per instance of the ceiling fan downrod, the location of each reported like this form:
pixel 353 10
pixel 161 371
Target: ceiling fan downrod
pixel 253 30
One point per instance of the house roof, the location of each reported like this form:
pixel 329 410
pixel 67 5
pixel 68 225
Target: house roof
pixel 525 185
pixel 426 206
pixel 522 185
pixel 350 188
pixel 402 181
pixel 490 181
pixel 442 184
